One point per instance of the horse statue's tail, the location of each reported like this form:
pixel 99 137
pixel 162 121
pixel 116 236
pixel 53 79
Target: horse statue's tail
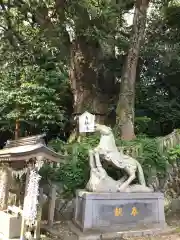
pixel 141 175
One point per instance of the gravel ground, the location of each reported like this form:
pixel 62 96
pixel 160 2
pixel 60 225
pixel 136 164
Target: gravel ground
pixel 61 231
pixel 170 237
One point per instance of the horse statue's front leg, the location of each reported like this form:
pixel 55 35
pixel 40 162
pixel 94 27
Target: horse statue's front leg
pixel 91 159
pixel 97 173
pixel 97 158
pixel 94 159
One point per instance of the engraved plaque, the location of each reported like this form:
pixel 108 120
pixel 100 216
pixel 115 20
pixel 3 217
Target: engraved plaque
pixel 126 213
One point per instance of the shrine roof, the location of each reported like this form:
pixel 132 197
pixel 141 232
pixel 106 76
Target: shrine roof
pixel 26 148
pixel 26 141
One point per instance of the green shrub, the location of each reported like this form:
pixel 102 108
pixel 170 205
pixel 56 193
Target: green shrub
pixel 74 173
pixel 142 124
pixel 149 155
pixel 174 154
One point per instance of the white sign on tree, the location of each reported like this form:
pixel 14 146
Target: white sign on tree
pixel 86 122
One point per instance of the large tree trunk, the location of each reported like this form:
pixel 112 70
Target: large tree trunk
pixel 125 107
pixel 84 79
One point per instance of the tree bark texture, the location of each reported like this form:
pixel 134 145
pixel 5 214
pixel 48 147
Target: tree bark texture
pixel 125 106
pixel 84 79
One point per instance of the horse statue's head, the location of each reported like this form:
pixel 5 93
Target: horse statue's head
pixel 104 130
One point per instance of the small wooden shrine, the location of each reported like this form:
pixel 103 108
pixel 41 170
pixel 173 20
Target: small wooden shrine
pixel 25 156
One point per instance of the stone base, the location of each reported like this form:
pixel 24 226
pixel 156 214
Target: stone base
pixel 10 225
pixel 79 235
pixel 116 212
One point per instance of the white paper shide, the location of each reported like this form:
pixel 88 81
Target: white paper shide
pixel 31 199
pixel 86 122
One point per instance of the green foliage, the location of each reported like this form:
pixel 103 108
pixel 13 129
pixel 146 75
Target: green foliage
pixel 157 89
pixel 34 85
pixel 31 94
pixel 174 154
pixel 74 173
pixel 141 124
pixel 172 13
pixel 33 32
pixel 149 156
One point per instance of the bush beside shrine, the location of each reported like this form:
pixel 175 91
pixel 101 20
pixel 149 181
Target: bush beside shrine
pixel 74 172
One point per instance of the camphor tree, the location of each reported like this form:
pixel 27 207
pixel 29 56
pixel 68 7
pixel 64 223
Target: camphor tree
pixel 72 29
pixel 79 39
pixel 84 33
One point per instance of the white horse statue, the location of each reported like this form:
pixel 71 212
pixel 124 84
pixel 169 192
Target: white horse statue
pixel 108 151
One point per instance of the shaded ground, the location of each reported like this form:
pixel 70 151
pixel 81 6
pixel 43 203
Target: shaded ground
pixel 61 231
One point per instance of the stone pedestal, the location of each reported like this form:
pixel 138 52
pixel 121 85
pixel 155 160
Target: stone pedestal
pixel 10 225
pixel 111 212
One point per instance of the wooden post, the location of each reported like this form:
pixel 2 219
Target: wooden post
pixel 5 176
pixel 7 186
pixel 17 129
pixel 39 215
pixel 52 202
